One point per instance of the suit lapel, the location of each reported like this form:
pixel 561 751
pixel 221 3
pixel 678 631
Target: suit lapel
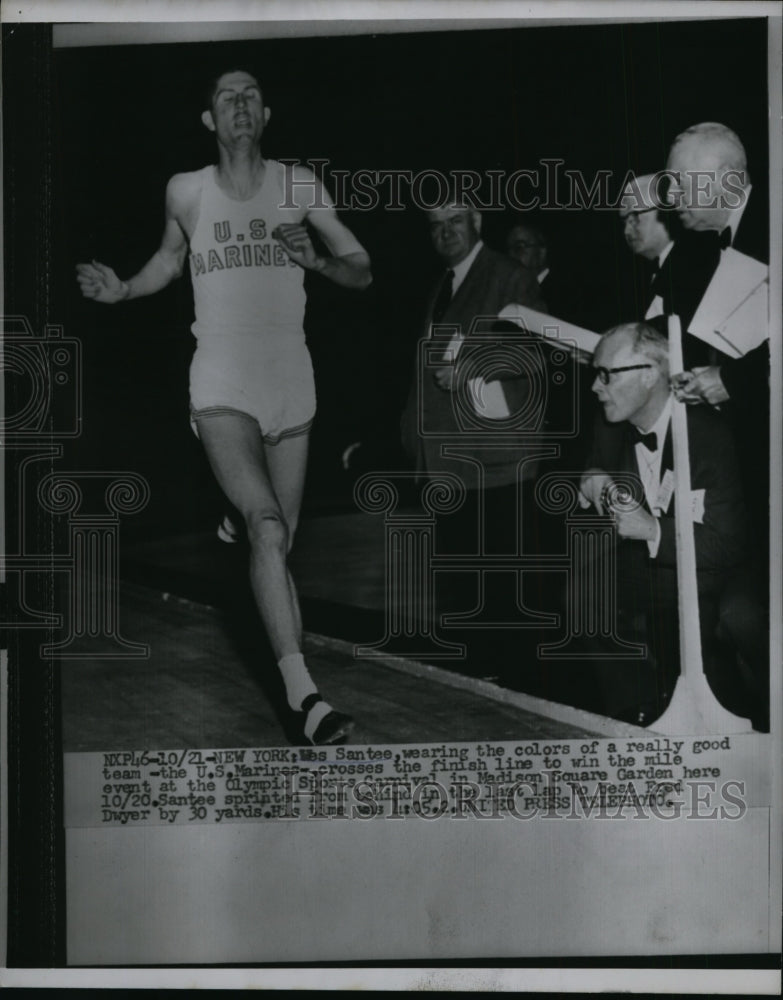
pixel 667 461
pixel 667 466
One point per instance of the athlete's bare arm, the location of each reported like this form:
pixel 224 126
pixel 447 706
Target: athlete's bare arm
pixel 99 282
pixel 349 264
pixel 352 270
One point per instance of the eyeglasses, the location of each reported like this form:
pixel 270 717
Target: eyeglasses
pixel 633 215
pixel 604 373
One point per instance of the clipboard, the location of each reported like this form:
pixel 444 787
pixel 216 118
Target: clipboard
pixel 733 315
pixel 567 335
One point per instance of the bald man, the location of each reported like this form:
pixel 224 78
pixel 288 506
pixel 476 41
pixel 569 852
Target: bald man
pixel 711 193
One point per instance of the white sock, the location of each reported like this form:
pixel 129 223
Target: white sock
pixel 298 682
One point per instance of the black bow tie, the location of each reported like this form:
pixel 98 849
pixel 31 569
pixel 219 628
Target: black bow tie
pixel 724 238
pixel 650 441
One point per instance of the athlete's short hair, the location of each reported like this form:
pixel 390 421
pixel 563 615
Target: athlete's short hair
pixel 211 88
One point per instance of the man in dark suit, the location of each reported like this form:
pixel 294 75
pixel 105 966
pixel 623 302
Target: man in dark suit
pixel 527 243
pixel 528 246
pixel 561 295
pixel 712 193
pixel 477 397
pixel 683 261
pixel 634 437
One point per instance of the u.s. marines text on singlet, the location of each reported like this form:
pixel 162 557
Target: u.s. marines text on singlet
pixel 243 280
pixel 249 303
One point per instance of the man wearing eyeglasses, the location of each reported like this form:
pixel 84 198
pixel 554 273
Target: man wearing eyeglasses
pixel 633 438
pixel 561 295
pixel 645 226
pixel 527 245
pixel 683 261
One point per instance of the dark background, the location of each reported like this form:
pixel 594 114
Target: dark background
pixel 608 97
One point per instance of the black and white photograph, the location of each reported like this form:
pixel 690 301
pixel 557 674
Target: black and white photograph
pixel 392 465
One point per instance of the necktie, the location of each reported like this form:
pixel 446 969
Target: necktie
pixel 724 238
pixel 443 297
pixel 650 441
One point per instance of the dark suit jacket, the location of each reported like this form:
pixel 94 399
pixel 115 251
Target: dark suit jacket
pixel 431 419
pixel 749 375
pixel 681 283
pixel 747 382
pixel 721 538
pixel 687 271
pixel 752 237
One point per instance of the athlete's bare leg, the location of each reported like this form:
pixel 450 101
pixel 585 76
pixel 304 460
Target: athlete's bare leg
pixel 270 509
pixel 265 483
pixel 287 463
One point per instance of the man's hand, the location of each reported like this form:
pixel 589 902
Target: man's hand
pixel 591 487
pixel 99 282
pixel 296 242
pixel 444 378
pixel 581 357
pixel 638 524
pixel 702 384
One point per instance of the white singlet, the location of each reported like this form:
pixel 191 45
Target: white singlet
pixel 249 302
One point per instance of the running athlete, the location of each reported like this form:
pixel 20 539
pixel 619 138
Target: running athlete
pixel 251 381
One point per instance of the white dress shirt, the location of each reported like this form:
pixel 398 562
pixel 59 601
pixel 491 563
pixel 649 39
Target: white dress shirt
pixel 460 273
pixel 461 270
pixel 649 466
pixel 488 398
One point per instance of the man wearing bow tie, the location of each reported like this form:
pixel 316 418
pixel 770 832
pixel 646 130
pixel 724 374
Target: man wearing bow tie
pixel 634 438
pixel 711 192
